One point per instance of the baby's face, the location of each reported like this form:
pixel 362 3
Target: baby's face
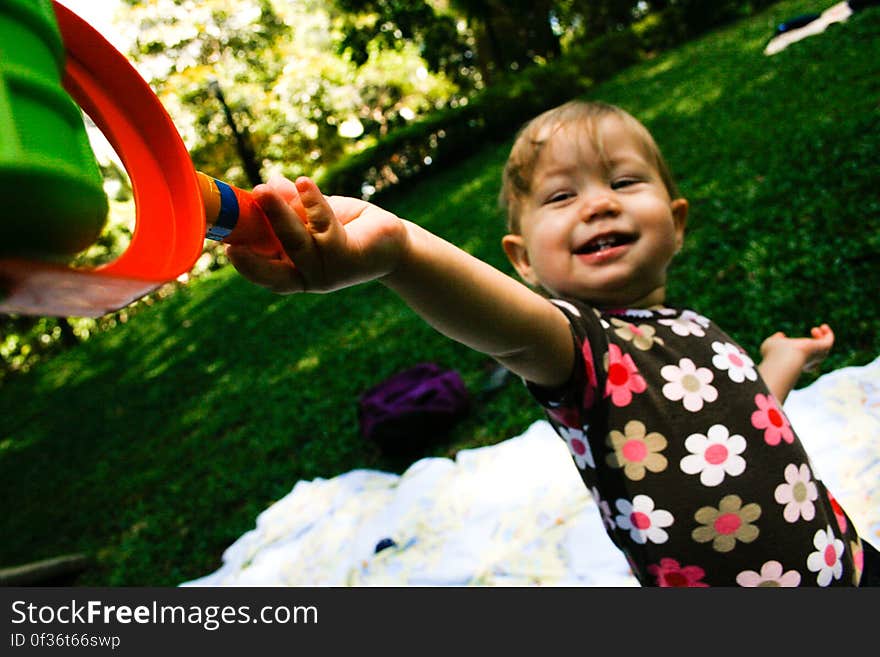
pixel 598 229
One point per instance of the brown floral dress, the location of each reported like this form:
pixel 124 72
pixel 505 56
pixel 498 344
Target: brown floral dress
pixel 697 471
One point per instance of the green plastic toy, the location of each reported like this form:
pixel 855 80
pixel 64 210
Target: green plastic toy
pixel 51 188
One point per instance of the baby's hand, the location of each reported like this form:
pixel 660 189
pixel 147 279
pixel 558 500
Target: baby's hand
pixel 329 242
pixel 806 352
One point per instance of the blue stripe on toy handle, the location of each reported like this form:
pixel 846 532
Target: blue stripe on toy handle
pixel 228 216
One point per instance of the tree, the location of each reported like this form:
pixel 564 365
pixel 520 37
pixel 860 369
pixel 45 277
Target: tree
pixel 587 19
pixel 391 24
pixel 500 35
pixel 511 34
pixel 283 83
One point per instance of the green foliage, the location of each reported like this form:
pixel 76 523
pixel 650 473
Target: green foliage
pixel 586 19
pixel 287 91
pixel 155 445
pixel 390 24
pixel 492 115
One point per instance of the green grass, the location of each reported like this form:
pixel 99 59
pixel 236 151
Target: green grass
pixel 154 446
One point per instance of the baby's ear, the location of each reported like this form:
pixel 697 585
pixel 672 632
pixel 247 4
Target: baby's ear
pixel 679 216
pixel 515 248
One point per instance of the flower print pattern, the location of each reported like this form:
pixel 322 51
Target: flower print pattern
pixel 669 573
pixel 771 575
pixel 623 377
pixel 688 323
pixel 839 515
pixel 826 560
pixel 729 523
pixel 689 384
pixel 714 455
pixel 734 443
pixel 642 520
pixel 731 358
pixel 592 382
pixel 642 313
pixel 772 420
pixel 565 416
pixel 642 336
pixel 797 493
pixel 568 416
pixel 636 451
pixel 578 446
pixel 858 555
pixel 605 510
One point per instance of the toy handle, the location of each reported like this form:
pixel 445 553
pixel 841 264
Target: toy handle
pixel 232 216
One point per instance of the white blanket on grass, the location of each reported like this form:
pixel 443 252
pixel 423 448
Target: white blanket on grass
pixel 515 513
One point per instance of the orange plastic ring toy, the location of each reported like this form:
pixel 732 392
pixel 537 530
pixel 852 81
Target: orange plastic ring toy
pixel 170 223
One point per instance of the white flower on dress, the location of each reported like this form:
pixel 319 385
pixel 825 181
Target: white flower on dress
pixel 643 521
pixel 731 358
pixel 638 312
pixel 688 323
pixel 826 560
pixel 797 493
pixel 714 455
pixel 578 446
pixel 604 508
pixel 689 384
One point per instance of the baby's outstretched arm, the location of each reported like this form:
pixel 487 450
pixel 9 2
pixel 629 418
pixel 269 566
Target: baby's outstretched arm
pixel 336 242
pixel 785 358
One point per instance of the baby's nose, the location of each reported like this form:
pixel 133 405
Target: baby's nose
pixel 600 206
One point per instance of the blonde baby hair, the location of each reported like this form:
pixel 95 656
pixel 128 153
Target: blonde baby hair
pixel 583 115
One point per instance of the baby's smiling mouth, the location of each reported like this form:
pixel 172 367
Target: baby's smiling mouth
pixel 603 242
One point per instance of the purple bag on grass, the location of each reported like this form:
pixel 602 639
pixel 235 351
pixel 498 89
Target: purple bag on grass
pixel 413 407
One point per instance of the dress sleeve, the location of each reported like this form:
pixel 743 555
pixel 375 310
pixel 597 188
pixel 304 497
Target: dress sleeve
pixel 570 402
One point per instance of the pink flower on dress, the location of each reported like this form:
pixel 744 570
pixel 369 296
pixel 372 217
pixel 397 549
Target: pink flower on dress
pixel 670 573
pixel 688 323
pixel 772 420
pixel 858 555
pixel 592 382
pixel 566 416
pixel 623 377
pixel 605 508
pixel 839 515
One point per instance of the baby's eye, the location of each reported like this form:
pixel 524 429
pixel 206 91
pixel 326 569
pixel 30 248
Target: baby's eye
pixel 625 181
pixel 557 197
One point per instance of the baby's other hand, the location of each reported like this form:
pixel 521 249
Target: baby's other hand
pixel 808 352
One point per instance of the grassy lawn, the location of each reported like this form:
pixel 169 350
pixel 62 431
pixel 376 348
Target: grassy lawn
pixel 154 446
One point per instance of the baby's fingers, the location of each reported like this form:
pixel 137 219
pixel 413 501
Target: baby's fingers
pixel 287 190
pixel 295 237
pixel 322 221
pixel 278 276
